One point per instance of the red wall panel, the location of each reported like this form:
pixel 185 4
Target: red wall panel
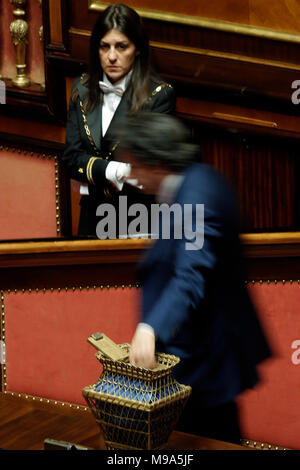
pixel 28 196
pixel 47 353
pixel 271 412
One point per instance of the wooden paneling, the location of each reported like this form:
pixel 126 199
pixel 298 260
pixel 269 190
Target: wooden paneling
pixel 7 56
pixel 282 16
pixel 82 261
pixel 253 121
pixel 263 174
pixel 74 252
pixel 221 72
pixel 56 36
pixel 207 35
pixel 35 48
pixel 25 423
pixel 29 129
pixel 228 10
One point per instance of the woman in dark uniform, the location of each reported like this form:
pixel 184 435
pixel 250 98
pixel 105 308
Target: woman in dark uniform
pixel 119 82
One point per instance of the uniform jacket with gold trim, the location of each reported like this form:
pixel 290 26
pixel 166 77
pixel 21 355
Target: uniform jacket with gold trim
pixel 87 153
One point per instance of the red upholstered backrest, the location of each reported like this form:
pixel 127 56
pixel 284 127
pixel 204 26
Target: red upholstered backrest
pixel 28 196
pixel 47 353
pixel 271 412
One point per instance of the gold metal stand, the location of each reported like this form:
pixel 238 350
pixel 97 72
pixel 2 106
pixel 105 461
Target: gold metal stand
pixel 19 32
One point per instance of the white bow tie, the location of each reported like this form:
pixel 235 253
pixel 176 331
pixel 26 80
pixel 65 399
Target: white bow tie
pixel 118 90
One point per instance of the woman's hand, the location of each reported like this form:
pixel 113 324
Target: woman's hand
pixel 116 173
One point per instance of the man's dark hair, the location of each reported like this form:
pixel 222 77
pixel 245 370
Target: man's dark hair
pixel 157 139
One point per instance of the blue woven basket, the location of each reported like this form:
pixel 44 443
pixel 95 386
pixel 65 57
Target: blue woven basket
pixel 136 408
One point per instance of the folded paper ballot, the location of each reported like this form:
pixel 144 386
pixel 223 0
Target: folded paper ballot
pixel 107 347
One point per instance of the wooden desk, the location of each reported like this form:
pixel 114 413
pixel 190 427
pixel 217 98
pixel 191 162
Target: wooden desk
pixel 26 423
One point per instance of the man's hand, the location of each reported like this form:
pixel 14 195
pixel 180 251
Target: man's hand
pixel 142 351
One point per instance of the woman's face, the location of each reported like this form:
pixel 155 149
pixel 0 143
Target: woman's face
pixel 117 54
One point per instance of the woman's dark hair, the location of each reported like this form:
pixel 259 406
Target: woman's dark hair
pixel 127 21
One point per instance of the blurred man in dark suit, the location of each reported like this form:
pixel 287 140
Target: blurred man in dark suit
pixel 194 300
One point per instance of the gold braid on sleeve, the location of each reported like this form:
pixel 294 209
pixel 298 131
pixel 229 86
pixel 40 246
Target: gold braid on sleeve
pixel 89 167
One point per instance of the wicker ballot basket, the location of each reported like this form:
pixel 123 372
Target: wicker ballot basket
pixel 135 408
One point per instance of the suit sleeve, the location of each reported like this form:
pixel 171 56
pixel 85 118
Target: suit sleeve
pixel 81 163
pixel 184 292
pixel 192 271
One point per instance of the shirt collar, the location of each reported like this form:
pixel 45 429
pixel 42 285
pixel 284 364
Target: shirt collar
pixel 121 83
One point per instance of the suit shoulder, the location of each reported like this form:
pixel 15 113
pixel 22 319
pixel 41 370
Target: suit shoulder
pixel 79 80
pixel 162 98
pixel 206 176
pixel 157 87
pixel 206 171
pixel 79 87
pixel 204 184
